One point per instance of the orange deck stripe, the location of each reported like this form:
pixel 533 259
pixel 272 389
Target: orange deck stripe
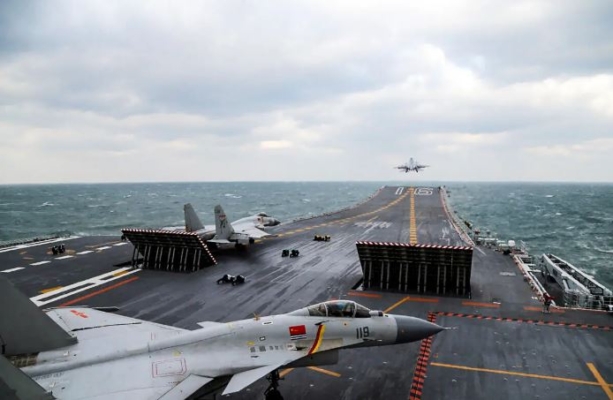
pixel 553 310
pixel 106 289
pixel 422 300
pixel 362 294
pixel 477 304
pixel 325 371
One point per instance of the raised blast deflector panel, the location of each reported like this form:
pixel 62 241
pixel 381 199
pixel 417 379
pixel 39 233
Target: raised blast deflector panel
pixel 169 250
pixel 416 268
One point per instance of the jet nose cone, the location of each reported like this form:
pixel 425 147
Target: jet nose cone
pixel 412 329
pixel 274 222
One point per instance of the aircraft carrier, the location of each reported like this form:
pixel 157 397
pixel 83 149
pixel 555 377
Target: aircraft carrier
pixel 400 251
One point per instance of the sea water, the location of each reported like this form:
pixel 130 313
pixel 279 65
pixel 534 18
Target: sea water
pixel 573 221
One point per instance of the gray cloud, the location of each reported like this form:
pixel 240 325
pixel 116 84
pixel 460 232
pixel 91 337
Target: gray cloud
pixel 305 90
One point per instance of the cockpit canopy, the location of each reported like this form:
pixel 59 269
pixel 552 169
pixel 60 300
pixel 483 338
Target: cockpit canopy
pixel 336 308
pixel 262 214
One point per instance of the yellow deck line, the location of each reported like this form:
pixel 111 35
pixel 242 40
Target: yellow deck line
pixel 396 304
pixel 325 371
pixel 601 381
pixel 51 289
pixel 522 374
pixel 349 219
pixel 412 223
pixel 285 372
pixel 119 273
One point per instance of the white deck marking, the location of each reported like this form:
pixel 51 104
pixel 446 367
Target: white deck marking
pixel 480 251
pixel 84 252
pixel 82 286
pixel 103 248
pixel 12 269
pixel 64 257
pixel 424 191
pixel 399 190
pixel 120 244
pixel 40 263
pixel 39 243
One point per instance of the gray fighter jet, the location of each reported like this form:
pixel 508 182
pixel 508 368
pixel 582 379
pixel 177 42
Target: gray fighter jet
pixel 411 166
pixel 240 232
pixel 77 352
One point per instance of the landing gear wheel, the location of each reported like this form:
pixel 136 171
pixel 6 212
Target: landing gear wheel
pixel 272 393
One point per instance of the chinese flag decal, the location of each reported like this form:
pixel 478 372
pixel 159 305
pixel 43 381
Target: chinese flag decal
pixel 297 330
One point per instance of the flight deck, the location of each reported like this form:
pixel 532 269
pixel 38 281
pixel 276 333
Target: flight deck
pixel 499 344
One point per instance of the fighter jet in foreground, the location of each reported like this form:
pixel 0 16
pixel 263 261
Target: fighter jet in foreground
pixel 411 166
pixel 77 352
pixel 241 232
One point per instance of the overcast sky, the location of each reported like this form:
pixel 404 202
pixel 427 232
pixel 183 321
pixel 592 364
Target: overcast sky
pixel 122 91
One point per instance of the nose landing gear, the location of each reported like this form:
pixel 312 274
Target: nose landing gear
pixel 272 393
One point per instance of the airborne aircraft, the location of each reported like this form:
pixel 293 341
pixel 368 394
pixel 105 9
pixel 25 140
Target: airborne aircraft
pixel 411 166
pixel 241 232
pixel 79 352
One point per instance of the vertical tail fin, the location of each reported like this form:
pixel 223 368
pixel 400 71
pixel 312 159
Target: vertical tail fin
pixel 223 228
pixel 24 328
pixel 192 222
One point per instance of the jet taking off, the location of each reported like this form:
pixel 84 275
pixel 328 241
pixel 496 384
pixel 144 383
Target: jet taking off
pixel 79 352
pixel 411 166
pixel 241 232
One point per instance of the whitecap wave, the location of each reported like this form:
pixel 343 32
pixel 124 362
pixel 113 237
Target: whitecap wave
pixel 550 195
pixel 233 196
pixel 47 204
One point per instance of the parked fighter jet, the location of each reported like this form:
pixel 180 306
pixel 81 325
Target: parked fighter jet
pixel 411 166
pixel 240 232
pixel 77 352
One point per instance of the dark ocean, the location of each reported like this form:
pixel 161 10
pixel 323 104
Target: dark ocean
pixel 573 221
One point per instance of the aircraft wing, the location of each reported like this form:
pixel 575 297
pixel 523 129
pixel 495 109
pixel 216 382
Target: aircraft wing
pixel 87 323
pixel 251 230
pixel 186 388
pixel 243 379
pixel 219 241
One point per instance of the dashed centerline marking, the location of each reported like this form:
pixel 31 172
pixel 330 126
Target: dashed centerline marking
pixel 13 269
pixel 103 248
pixel 40 263
pixel 84 252
pixel 64 257
pixel 412 222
